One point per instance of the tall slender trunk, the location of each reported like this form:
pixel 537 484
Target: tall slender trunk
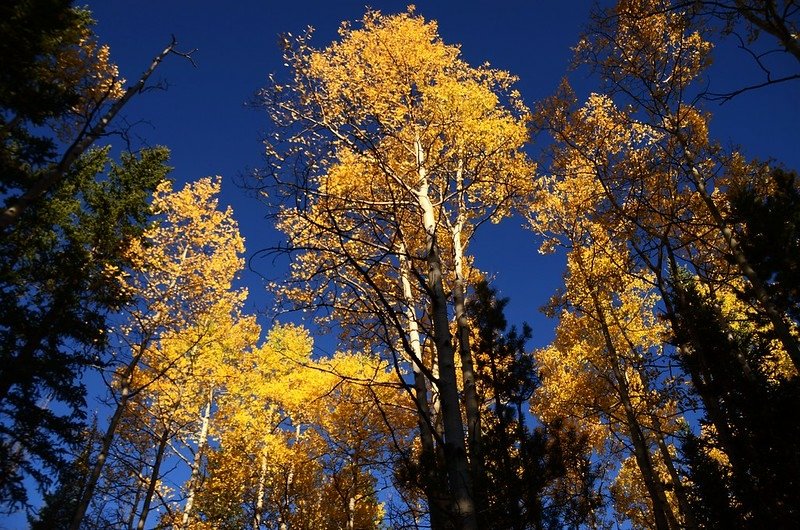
pixel 471 401
pixel 455 448
pixel 662 514
pixel 148 333
pixel 688 521
pixel 136 498
pixel 194 479
pixel 428 463
pixel 285 510
pixel 56 172
pixel 151 487
pixel 686 518
pixel 107 440
pixel 126 393
pixel 260 492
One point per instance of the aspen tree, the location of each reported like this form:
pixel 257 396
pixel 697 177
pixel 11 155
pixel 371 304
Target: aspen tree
pixel 641 160
pixel 400 150
pixel 182 271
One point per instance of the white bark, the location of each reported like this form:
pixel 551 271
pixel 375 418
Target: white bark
pixel 262 487
pixel 202 441
pixel 455 449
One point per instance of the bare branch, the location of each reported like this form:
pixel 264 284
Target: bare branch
pixel 88 136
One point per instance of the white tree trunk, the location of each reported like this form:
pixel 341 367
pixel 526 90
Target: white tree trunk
pixel 455 449
pixel 471 401
pixel 202 441
pixel 262 486
pixel 426 421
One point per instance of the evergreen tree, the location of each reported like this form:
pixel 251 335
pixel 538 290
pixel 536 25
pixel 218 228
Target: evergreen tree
pixel 67 217
pixel 744 464
pixel 766 210
pixel 59 504
pixel 525 465
pixel 35 88
pixel 58 283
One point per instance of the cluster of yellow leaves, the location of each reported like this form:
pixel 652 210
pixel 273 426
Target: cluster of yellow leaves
pixel 87 66
pixel 636 153
pixel 396 72
pixel 604 288
pixel 743 320
pixel 266 378
pixel 639 185
pixel 598 372
pixel 679 58
pixel 181 283
pixel 412 125
pixel 287 436
pixel 301 433
pixel 187 366
pixel 187 261
pixel 573 204
pixel 185 329
pixel 631 499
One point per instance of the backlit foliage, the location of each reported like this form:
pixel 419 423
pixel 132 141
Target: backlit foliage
pixel 631 498
pixel 300 438
pixel 391 150
pixel 270 435
pixel 88 68
pixel 644 200
pixel 182 322
pixel 376 114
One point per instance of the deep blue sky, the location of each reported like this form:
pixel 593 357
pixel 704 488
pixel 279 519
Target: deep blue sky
pixel 202 116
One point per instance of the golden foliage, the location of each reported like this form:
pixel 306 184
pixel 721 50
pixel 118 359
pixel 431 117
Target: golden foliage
pixel 303 434
pixel 631 499
pixel 87 66
pixel 187 261
pixel 411 128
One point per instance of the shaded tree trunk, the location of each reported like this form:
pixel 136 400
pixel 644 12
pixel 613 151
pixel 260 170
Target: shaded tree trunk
pixel 105 445
pixel 677 485
pixel 664 519
pixel 151 487
pixel 428 463
pixel 454 447
pixel 455 453
pixel 471 401
pixel 136 499
pixel 55 174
